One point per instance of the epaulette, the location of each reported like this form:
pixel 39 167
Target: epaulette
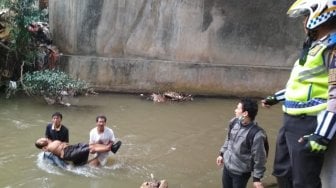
pixel 330 40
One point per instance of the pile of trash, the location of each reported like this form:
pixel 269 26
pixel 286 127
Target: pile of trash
pixel 167 96
pixel 48 54
pixel 153 183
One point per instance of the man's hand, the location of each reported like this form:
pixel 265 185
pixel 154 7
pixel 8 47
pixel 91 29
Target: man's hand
pixel 219 160
pixel 92 150
pixel 315 143
pixel 269 101
pixel 258 184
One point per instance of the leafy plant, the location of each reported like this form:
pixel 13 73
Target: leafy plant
pixel 53 84
pixel 20 47
pixel 21 59
pixel 22 42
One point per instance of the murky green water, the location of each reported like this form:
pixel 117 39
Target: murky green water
pixel 178 142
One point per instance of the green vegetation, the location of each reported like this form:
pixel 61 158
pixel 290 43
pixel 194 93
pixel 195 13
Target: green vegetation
pixel 20 46
pixel 53 85
pixel 28 61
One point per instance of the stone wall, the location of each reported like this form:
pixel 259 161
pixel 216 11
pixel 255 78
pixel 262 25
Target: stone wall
pixel 206 47
pixel 139 75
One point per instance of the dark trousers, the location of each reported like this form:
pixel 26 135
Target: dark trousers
pixel 231 180
pixel 294 166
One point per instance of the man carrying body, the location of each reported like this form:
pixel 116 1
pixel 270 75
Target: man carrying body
pixel 78 153
pixel 102 135
pixel 55 130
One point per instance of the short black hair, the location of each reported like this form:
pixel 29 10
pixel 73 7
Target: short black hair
pixel 251 106
pixel 57 114
pixel 101 117
pixel 40 145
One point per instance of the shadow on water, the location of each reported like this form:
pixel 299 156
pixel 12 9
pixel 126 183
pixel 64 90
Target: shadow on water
pixel 178 142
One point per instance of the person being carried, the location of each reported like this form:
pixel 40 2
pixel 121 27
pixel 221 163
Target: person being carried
pixel 76 153
pixel 240 157
pixel 102 135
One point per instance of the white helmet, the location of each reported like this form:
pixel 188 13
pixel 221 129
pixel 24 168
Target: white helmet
pixel 319 11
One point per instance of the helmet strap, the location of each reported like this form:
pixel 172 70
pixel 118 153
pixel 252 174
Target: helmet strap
pixel 311 37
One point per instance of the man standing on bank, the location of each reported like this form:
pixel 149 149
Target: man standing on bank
pixel 102 135
pixel 309 99
pixel 243 153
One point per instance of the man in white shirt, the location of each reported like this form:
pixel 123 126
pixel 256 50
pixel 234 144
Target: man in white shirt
pixel 103 135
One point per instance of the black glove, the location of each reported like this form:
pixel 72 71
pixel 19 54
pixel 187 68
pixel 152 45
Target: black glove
pixel 316 143
pixel 271 100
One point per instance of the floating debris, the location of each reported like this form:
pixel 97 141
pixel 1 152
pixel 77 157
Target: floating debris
pixel 168 96
pixel 154 183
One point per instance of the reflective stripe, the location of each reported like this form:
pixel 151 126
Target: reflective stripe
pixel 312 73
pixel 299 108
pixel 313 102
pixel 280 95
pixel 326 124
pixel 307 87
pixel 332 132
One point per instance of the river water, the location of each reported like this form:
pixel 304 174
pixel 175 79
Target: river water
pixel 178 142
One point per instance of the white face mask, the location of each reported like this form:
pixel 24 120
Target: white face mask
pixel 241 118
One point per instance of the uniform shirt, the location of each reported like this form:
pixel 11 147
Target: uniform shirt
pixel 330 62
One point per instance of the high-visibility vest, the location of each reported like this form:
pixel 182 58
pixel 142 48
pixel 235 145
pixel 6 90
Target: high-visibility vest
pixel 307 87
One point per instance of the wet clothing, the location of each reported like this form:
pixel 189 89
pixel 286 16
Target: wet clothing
pixel 241 159
pixel 55 160
pixel 53 134
pixel 102 138
pixel 62 134
pixel 78 153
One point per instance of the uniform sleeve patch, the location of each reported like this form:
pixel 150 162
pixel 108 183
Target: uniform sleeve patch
pixel 332 76
pixel 315 50
pixel 332 68
pixel 332 63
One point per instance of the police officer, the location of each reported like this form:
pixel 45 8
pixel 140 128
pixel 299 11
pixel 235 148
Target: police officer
pixel 309 99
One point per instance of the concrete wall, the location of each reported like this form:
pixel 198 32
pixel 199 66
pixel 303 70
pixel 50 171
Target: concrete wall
pixel 210 47
pixel 133 75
